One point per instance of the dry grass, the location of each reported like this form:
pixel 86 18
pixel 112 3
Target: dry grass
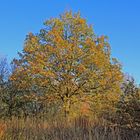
pixel 79 129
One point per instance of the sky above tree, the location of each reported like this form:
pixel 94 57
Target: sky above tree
pixel 119 20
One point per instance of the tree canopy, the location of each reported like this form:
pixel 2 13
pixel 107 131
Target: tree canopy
pixel 66 63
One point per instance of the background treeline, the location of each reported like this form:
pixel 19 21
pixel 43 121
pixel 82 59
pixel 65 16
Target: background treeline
pixel 66 73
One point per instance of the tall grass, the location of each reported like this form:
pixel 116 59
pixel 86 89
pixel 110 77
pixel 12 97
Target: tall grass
pixel 61 129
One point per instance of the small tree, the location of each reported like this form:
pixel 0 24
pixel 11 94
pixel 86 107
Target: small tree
pixel 4 71
pixel 128 111
pixel 3 79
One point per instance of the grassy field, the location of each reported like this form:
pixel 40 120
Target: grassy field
pixel 78 129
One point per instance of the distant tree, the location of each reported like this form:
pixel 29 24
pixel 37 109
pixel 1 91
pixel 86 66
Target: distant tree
pixel 129 86
pixel 4 70
pixel 9 96
pixel 128 108
pixel 67 64
pixel 4 73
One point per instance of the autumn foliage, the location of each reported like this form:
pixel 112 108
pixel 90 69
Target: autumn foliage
pixel 67 64
pixel 67 73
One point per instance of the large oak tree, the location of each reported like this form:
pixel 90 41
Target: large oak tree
pixel 67 63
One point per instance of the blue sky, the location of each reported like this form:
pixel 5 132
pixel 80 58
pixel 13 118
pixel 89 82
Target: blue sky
pixel 118 19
